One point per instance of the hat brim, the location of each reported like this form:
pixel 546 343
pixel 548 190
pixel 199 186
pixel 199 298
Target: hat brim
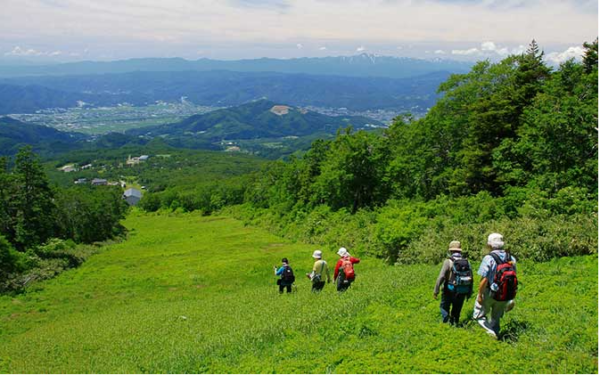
pixel 455 249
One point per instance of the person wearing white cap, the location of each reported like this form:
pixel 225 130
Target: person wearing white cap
pixel 456 279
pixel 319 273
pixel 346 264
pixel 489 309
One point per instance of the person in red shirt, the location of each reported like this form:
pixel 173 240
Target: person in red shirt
pixel 344 270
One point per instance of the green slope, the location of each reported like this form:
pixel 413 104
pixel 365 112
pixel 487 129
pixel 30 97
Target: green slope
pixel 193 294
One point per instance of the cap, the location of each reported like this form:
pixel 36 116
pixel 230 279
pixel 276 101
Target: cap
pixel 317 254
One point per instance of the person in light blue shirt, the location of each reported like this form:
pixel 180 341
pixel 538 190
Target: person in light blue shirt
pixel 488 311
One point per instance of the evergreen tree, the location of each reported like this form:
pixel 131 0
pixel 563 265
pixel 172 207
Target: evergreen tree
pixel 590 57
pixel 33 201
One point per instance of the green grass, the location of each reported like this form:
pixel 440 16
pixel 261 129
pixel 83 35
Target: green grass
pixel 196 294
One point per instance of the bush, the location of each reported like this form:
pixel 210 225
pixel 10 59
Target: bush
pixel 10 259
pixel 526 238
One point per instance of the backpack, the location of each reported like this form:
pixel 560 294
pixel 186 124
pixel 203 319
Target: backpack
pixel 348 269
pixel 506 279
pixel 288 275
pixel 461 277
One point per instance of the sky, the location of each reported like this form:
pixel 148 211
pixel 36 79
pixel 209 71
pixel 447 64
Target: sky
pixel 75 30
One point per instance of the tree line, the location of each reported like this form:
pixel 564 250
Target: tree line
pixel 40 222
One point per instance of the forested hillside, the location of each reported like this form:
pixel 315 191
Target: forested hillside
pixel 511 146
pixel 257 119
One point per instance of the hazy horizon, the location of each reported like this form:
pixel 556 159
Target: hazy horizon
pixel 93 30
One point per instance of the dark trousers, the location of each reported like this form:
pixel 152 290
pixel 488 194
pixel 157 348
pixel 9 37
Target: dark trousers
pixel 317 287
pixel 288 287
pixel 450 306
pixel 342 284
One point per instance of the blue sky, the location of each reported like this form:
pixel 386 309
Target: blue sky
pixel 70 30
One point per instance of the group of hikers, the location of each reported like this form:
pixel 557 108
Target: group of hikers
pixel 496 291
pixel 495 294
pixel 343 273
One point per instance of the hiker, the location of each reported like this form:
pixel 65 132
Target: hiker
pixel 346 265
pixel 457 278
pixel 498 286
pixel 319 272
pixel 287 276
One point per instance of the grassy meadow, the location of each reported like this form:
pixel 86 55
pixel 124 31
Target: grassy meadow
pixel 187 293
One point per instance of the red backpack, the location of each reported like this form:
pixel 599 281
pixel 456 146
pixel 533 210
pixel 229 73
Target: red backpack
pixel 505 278
pixel 348 268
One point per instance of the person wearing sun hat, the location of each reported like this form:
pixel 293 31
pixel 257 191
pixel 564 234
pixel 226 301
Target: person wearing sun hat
pixel 319 273
pixel 487 310
pixel 457 280
pixel 346 265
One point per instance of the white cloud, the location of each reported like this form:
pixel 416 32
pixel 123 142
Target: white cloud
pixel 439 52
pixel 262 27
pixel 488 46
pixel 322 48
pixel 30 52
pixel 491 47
pixel 360 49
pixel 299 46
pixel 519 50
pixel 570 53
pixel 465 52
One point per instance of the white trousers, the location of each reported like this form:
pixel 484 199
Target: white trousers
pixel 490 311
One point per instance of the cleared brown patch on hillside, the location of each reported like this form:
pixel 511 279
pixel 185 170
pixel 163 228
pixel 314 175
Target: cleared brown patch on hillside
pixel 280 110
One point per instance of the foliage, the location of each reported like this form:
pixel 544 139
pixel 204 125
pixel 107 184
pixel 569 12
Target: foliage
pixel 511 141
pixel 87 214
pixel 197 295
pixel 32 213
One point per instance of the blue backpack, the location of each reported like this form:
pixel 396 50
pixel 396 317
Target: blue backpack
pixel 461 277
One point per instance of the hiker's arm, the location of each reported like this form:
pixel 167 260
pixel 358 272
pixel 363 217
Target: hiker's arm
pixel 354 260
pixel 482 285
pixel 337 269
pixel 440 279
pixel 278 271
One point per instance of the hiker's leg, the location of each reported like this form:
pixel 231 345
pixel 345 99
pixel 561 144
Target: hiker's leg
pixel 477 310
pixel 339 283
pixel 457 306
pixel 317 287
pixel 498 308
pixel 289 288
pixel 445 306
pixel 280 289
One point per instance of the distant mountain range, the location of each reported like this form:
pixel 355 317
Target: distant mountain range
pixel 363 65
pixel 221 89
pixel 251 121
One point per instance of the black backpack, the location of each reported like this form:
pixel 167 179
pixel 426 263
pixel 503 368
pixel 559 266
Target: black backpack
pixel 288 275
pixel 461 277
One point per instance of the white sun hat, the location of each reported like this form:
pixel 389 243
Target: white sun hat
pixel 342 252
pixel 318 254
pixel 496 241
